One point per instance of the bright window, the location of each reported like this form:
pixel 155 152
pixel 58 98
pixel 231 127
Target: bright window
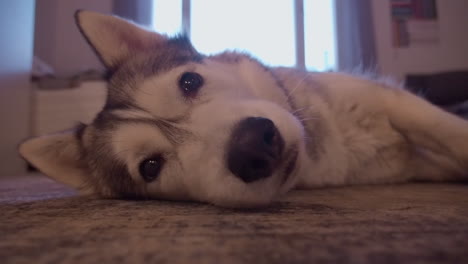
pixel 167 16
pixel 320 40
pixel 264 28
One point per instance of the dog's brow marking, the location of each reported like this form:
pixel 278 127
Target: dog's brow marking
pixel 132 114
pixel 174 134
pixel 135 112
pixel 115 180
pixel 127 77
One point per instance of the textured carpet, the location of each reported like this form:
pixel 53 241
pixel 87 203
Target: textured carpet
pixel 44 222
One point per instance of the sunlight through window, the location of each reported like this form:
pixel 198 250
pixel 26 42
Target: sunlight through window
pixel 320 37
pixel 167 16
pixel 263 28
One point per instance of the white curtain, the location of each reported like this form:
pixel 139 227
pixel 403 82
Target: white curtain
pixel 355 35
pixel 139 11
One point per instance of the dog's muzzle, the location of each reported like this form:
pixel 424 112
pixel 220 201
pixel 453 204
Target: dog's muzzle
pixel 255 149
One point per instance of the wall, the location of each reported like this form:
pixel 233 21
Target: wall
pixel 57 39
pixel 449 54
pixel 16 52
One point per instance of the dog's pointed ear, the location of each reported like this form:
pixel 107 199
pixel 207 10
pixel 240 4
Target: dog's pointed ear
pixel 115 39
pixel 58 156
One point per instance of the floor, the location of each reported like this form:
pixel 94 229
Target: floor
pixel 44 222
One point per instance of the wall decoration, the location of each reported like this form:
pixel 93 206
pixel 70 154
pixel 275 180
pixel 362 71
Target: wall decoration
pixel 414 22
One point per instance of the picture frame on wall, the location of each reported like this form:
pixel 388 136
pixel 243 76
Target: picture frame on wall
pixel 414 22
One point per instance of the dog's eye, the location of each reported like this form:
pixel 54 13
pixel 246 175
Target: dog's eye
pixel 190 82
pixel 150 168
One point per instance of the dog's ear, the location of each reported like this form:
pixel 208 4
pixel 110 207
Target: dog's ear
pixel 115 39
pixel 58 156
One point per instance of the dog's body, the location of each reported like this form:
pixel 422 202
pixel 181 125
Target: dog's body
pixel 227 130
pixel 372 131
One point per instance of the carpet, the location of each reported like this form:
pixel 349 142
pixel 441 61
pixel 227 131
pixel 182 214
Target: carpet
pixel 45 222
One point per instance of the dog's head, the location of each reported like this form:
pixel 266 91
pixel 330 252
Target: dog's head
pixel 176 124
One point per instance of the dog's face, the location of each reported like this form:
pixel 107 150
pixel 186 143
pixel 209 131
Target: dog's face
pixel 177 125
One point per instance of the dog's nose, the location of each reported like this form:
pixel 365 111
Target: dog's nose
pixel 254 149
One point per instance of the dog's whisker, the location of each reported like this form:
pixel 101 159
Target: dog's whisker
pixel 299 110
pixel 124 151
pixel 309 118
pixel 146 93
pixel 289 95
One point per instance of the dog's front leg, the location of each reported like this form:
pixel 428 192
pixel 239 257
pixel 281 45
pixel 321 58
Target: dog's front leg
pixel 440 138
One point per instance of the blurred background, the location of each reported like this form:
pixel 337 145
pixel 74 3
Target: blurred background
pixel 50 79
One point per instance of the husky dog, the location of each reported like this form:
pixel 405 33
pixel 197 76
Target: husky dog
pixel 227 130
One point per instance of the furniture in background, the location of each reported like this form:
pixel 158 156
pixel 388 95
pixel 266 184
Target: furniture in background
pixel 446 89
pixel 62 108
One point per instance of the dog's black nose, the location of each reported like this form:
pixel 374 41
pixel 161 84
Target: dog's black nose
pixel 254 149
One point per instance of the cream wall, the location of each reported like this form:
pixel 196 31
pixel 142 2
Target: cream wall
pixel 16 51
pixel 57 39
pixel 451 53
pixel 59 42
